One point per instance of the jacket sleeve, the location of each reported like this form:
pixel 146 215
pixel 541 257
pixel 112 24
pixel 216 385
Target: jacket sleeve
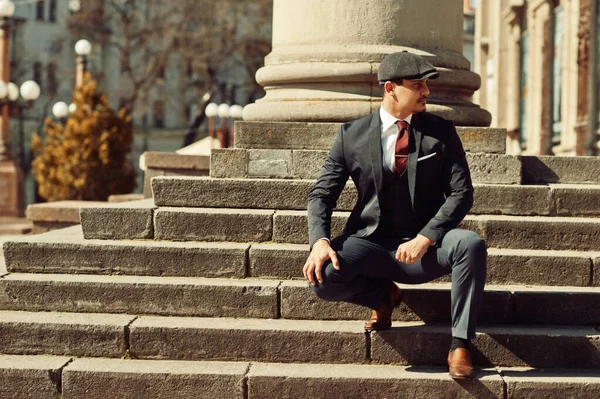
pixel 458 188
pixel 323 195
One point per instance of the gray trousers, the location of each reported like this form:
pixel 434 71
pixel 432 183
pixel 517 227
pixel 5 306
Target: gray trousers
pixel 368 264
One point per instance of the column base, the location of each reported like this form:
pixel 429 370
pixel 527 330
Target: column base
pixel 12 189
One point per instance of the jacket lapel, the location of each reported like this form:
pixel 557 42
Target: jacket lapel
pixel 374 136
pixel 413 156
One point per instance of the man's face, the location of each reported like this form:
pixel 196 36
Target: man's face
pixel 410 96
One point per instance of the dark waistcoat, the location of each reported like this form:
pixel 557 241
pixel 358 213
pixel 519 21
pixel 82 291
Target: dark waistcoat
pixel 397 216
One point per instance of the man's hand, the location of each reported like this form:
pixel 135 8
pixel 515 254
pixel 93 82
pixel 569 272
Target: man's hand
pixel 321 252
pixel 411 251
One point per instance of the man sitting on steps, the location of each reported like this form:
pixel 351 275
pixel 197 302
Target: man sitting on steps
pixel 414 188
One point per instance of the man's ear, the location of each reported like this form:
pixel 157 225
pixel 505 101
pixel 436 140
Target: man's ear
pixel 388 87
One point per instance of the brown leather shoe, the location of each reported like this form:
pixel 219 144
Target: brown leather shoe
pixel 381 319
pixel 460 365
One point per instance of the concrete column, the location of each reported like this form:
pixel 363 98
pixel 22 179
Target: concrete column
pixel 323 65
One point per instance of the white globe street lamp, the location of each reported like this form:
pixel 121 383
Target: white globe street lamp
pixel 7 8
pixel 83 47
pixel 13 91
pixel 30 91
pixel 72 108
pixel 211 110
pixel 223 111
pixel 60 110
pixel 235 111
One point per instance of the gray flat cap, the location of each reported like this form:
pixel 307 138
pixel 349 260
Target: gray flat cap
pixel 405 65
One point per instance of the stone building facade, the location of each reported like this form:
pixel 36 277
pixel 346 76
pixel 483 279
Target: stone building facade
pixel 538 61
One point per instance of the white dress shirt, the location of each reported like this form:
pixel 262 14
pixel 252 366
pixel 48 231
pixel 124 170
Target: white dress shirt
pixel 389 133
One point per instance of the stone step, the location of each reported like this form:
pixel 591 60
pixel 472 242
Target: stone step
pixel 63 253
pixel 292 194
pixel 306 164
pixel 319 136
pixel 34 377
pixel 126 220
pixel 175 296
pixel 118 378
pixel 293 341
pixel 504 266
pixel 53 333
pixel 139 295
pixel 66 251
pixel 499 231
pixel 416 344
pixel 31 377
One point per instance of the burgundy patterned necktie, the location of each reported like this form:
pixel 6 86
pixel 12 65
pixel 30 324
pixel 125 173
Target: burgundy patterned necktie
pixel 401 152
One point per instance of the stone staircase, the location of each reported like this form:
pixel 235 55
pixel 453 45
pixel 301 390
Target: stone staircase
pixel 197 293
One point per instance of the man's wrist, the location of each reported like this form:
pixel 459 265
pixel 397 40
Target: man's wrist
pixel 429 241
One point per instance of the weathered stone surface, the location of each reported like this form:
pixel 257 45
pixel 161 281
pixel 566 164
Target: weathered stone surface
pixel 128 220
pixel 512 200
pixel 277 260
pixel 229 162
pixel 116 198
pixel 319 136
pixel 550 233
pixel 308 164
pixel 59 211
pixel 269 163
pixel 552 169
pixel 139 295
pixel 498 169
pixel 249 339
pixel 30 377
pixel 240 193
pixel 50 333
pixel 300 381
pixel 209 224
pixel 292 227
pixel 527 383
pixel 173 160
pixel 576 200
pixel 511 346
pixel 147 379
pixel 60 253
pixel 504 266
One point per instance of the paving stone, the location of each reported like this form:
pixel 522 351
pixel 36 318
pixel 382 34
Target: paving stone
pixel 173 160
pixel 308 164
pixel 207 224
pixel 269 163
pixel 527 383
pixel 248 339
pixel 229 162
pixel 183 296
pixel 512 200
pixel 292 226
pixel 553 169
pixel 364 381
pixel 61 253
pixel 511 346
pixel 127 220
pixel 30 377
pixel 576 200
pixel 550 233
pixel 52 333
pixel 495 168
pixel 111 378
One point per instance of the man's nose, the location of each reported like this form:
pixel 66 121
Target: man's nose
pixel 425 91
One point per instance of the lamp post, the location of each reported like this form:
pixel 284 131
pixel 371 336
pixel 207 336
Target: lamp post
pixel 83 48
pixel 211 112
pixel 223 132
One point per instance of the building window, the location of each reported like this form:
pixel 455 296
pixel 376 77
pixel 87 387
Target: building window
pixel 158 110
pixel 52 81
pixel 557 74
pixel 523 89
pixel 37 73
pixel 52 11
pixel 40 10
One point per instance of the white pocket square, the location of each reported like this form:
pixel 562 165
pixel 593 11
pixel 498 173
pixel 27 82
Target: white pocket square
pixel 425 157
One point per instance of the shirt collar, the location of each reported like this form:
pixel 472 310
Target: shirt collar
pixel 387 120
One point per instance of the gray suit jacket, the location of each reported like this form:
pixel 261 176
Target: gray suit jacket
pixel 438 176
